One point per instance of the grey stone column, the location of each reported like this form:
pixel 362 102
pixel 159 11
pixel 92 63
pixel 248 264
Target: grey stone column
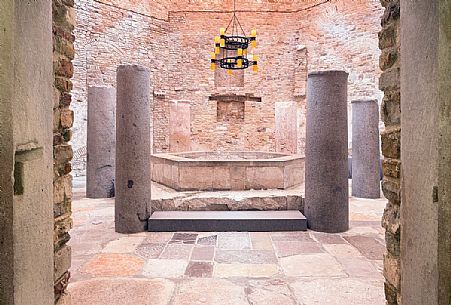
pixel 326 156
pixel 132 207
pixel 365 149
pixel 101 144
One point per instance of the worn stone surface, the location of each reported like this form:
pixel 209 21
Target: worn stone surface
pixel 250 268
pixel 365 149
pixel 199 269
pixel 209 291
pixel 113 264
pixel 305 265
pixel 326 171
pixel 339 291
pixel 290 248
pixel 122 291
pixel 133 143
pixel 245 256
pixel 165 268
pixel 101 142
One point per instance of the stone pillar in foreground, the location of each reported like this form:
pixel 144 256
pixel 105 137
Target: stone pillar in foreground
pixel 326 156
pixel 132 208
pixel 365 149
pixel 101 144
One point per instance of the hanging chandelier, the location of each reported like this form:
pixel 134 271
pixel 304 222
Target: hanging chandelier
pixel 232 45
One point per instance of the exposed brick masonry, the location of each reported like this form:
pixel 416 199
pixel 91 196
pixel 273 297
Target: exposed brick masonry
pixel 63 54
pixel 389 43
pixel 174 39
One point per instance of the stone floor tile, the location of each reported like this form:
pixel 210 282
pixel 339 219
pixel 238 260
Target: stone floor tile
pixel 113 264
pixel 164 268
pixel 326 238
pixel 291 236
pixel 339 291
pixel 207 240
pixel 368 246
pixel 379 264
pixel 158 237
pixel 183 238
pixel 360 267
pixel 269 292
pixel 147 251
pixel 369 231
pixel 309 265
pixel 261 241
pixel 234 241
pixel 205 253
pixel 245 270
pixel 123 245
pixel 209 291
pixel 199 269
pixel 121 292
pixel 176 251
pixel 342 250
pixel 290 248
pixel 245 256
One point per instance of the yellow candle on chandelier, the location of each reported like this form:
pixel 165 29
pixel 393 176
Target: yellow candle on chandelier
pixel 217 38
pixel 222 43
pixel 217 50
pixel 254 43
pixel 254 57
pixel 255 68
pixel 230 72
pixel 254 33
pixel 222 31
pixel 240 52
pixel 212 66
pixel 239 63
pixel 213 56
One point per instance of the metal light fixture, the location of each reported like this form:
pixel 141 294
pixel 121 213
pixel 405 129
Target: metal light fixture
pixel 232 45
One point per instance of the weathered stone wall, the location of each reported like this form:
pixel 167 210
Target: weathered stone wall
pixel 63 118
pixel 174 39
pixel 389 43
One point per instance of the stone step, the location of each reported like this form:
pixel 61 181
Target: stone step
pixel 224 221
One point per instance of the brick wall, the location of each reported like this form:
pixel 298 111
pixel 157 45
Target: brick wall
pixel 389 43
pixel 174 39
pixel 63 54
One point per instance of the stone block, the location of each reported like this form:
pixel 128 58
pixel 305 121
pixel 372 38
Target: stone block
pixel 221 178
pixel 392 270
pixel 67 118
pixel 192 178
pixel 62 261
pixel 264 178
pixel 391 142
pixel 391 168
pixel 390 79
pixel 237 178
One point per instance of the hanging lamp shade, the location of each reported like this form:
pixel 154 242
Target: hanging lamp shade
pixel 232 44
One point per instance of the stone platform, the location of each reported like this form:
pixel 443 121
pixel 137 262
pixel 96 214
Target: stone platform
pixel 167 199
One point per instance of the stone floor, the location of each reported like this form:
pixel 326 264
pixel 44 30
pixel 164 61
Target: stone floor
pixel 224 268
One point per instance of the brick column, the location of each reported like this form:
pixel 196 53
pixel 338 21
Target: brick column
pixel 326 156
pixel 132 207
